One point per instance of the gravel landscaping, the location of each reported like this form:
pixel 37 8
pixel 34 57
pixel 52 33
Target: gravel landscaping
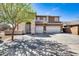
pixel 34 47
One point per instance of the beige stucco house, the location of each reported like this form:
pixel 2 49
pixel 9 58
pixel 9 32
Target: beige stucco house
pixel 41 24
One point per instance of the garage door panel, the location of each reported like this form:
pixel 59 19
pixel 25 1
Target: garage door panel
pixel 51 29
pixel 39 29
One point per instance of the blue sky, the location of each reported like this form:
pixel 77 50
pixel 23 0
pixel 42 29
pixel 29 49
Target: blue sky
pixel 66 11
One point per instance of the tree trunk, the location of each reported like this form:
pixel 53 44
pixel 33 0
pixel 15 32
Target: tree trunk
pixel 12 37
pixel 17 27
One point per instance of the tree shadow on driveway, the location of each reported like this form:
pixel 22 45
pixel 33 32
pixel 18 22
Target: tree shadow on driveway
pixel 42 35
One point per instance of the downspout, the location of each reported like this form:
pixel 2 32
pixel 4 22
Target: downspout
pixel 78 29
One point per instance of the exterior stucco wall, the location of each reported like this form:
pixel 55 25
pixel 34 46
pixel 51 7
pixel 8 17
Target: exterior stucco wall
pixel 21 27
pixel 33 26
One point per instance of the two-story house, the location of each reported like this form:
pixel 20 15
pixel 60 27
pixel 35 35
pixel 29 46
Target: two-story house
pixel 41 24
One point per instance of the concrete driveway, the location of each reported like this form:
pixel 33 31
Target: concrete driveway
pixel 68 39
pixel 71 40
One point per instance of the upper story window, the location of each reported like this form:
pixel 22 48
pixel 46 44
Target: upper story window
pixel 53 19
pixel 41 18
pixel 38 18
pixel 56 19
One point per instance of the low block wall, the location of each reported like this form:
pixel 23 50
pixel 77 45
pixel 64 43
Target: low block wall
pixel 16 32
pixel 74 30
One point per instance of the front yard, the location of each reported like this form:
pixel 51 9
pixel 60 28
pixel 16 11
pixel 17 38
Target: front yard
pixel 34 45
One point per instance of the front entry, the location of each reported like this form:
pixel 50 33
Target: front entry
pixel 28 28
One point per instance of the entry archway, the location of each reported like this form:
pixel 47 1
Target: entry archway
pixel 28 27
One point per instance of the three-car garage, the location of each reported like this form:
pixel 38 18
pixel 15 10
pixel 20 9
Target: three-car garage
pixel 47 29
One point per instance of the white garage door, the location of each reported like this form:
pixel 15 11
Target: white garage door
pixel 39 29
pixel 53 29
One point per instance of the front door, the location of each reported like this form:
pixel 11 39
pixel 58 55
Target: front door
pixel 28 28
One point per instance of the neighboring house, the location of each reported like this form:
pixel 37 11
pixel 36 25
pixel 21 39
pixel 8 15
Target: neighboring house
pixel 3 27
pixel 72 27
pixel 41 24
